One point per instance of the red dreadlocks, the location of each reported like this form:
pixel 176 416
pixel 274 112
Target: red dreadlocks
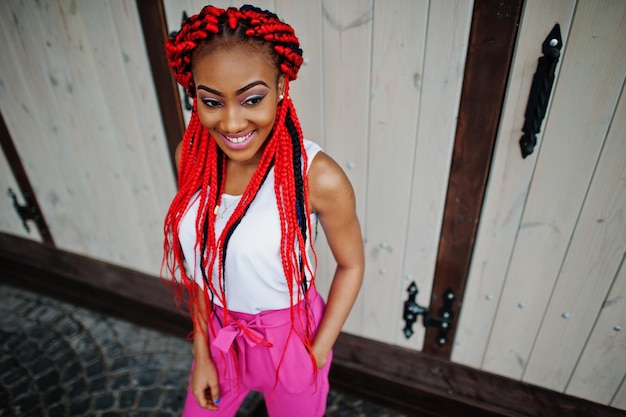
pixel 202 166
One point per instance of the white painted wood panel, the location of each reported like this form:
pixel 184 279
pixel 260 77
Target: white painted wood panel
pixel 602 366
pixel 131 136
pixel 593 258
pixel 30 87
pixel 573 138
pixel 440 84
pixel 399 38
pixel 81 140
pixel 347 33
pixel 508 183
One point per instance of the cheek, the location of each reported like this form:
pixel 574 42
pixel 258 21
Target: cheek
pixel 207 119
pixel 268 118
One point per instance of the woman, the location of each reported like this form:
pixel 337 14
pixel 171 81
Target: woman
pixel 251 190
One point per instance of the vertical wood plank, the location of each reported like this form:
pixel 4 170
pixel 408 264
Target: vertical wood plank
pixel 399 37
pixel 493 34
pixel 602 366
pixel 94 143
pixel 594 255
pixel 120 59
pixel 347 32
pixel 574 134
pixel 509 180
pixel 446 47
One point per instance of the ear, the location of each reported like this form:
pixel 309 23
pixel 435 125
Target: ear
pixel 282 82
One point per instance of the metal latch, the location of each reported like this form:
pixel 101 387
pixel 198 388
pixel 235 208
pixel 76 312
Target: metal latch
pixel 25 212
pixel 412 310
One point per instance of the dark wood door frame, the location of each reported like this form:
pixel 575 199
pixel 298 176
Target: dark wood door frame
pixel 491 44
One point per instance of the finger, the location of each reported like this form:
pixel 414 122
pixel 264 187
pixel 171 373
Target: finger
pixel 215 393
pixel 201 398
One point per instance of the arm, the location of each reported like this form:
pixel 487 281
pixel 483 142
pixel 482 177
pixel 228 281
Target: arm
pixel 204 378
pixel 331 196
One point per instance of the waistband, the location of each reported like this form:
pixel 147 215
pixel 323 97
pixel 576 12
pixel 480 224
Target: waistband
pixel 251 327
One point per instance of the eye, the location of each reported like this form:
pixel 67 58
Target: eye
pixel 253 100
pixel 211 102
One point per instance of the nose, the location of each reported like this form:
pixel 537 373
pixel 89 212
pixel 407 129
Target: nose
pixel 233 120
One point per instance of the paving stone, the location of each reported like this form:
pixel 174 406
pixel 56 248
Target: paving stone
pixel 98 384
pixel 80 406
pixel 149 399
pixel 58 410
pixel 57 359
pixel 120 381
pixel 104 401
pixel 127 400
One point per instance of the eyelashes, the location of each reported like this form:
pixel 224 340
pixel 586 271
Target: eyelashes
pixel 253 100
pixel 211 102
pixel 250 101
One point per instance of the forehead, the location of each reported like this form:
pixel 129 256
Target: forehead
pixel 229 68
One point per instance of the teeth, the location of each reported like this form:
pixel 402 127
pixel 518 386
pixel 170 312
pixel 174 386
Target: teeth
pixel 239 139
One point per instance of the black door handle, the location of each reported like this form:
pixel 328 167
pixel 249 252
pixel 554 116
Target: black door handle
pixel 540 90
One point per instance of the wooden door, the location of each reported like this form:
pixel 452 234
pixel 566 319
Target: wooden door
pixel 379 91
pixel 79 103
pixel 546 295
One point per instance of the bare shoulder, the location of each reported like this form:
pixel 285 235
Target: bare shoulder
pixel 328 184
pixel 177 154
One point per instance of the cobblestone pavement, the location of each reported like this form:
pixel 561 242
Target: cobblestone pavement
pixel 57 359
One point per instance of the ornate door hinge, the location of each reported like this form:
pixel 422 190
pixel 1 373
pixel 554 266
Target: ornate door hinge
pixel 412 310
pixel 28 211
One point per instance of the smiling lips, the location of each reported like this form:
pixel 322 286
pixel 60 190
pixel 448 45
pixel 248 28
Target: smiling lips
pixel 239 141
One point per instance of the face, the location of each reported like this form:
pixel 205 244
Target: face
pixel 237 90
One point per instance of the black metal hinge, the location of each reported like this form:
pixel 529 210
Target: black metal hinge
pixel 412 310
pixel 28 211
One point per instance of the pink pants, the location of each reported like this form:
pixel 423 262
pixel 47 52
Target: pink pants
pixel 298 391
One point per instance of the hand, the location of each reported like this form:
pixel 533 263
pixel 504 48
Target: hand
pixel 204 384
pixel 320 355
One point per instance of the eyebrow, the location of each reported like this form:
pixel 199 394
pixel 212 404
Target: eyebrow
pixel 241 90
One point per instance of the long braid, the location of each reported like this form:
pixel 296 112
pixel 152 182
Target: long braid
pixel 202 172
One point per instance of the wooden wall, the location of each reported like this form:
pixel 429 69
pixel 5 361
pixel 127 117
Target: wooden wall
pixel 546 294
pixel 78 99
pixel 380 92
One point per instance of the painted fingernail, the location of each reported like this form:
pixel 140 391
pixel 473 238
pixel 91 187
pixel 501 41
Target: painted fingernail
pixel 217 400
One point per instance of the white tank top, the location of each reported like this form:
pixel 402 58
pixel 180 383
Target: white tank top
pixel 254 276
